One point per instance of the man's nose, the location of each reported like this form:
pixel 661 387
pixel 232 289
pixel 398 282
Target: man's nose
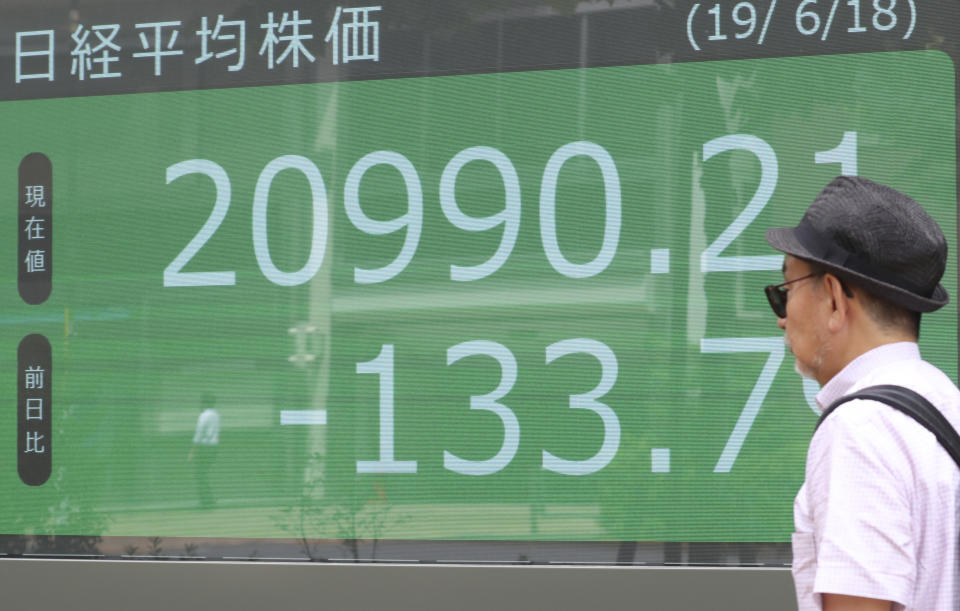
pixel 782 323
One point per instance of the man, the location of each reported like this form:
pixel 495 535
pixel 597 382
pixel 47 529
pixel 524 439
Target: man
pixel 877 517
pixel 205 441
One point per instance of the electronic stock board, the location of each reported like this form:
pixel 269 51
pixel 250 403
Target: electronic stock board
pixel 317 276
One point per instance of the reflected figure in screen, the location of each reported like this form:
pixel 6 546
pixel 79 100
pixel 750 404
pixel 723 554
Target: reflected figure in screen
pixel 876 519
pixel 204 450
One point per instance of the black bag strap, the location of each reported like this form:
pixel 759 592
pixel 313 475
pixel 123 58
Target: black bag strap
pixel 912 404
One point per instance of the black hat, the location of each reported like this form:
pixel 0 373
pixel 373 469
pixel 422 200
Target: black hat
pixel 874 236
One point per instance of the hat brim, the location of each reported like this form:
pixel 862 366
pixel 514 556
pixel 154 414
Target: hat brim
pixel 785 240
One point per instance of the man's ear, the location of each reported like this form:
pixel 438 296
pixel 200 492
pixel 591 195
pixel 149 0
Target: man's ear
pixel 840 307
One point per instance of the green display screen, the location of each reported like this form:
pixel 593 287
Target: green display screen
pixel 507 306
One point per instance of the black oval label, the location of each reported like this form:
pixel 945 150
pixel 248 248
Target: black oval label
pixel 34 410
pixel 35 229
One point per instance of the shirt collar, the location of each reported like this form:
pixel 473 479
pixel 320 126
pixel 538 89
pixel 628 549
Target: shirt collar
pixel 863 365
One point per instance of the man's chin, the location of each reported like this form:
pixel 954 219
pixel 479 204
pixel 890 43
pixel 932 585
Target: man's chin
pixel 803 370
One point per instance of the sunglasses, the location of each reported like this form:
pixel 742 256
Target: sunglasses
pixel 777 295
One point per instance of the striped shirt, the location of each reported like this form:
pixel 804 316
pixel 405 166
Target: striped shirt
pixel 877 515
